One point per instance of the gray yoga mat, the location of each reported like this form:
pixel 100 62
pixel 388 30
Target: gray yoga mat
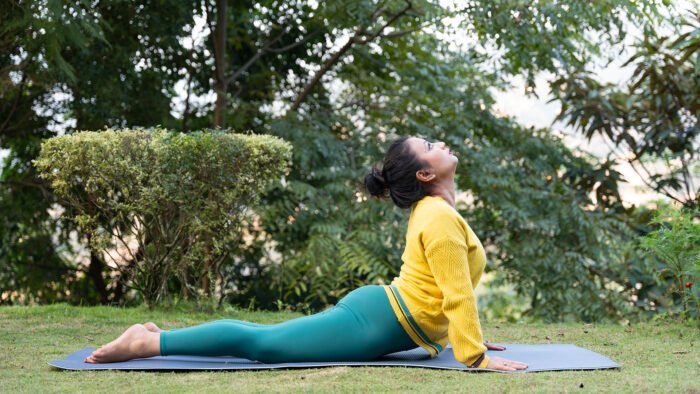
pixel 546 357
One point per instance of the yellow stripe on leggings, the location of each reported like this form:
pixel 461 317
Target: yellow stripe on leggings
pixel 414 332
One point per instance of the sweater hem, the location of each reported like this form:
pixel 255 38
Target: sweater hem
pixel 484 362
pixel 409 324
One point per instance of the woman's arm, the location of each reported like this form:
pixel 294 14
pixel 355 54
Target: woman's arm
pixel 445 242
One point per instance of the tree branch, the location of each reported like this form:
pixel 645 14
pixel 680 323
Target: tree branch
pixel 661 190
pixel 404 32
pixel 295 44
pixel 380 8
pixel 28 182
pixel 637 158
pixel 387 24
pixel 268 49
pixel 328 64
pixel 255 58
pixel 688 178
pixel 20 91
pixel 322 71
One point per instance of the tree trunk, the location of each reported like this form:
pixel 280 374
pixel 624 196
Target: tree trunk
pixel 95 271
pixel 206 283
pixel 186 112
pixel 123 278
pixel 219 35
pixel 184 291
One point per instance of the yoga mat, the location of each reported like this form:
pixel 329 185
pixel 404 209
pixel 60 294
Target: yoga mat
pixel 545 357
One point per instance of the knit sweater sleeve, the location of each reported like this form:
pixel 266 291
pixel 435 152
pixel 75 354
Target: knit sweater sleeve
pixel 446 250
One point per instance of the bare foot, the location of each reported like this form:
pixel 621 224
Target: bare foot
pixel 150 326
pixel 136 342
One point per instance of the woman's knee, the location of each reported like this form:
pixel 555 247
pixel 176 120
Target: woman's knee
pixel 266 350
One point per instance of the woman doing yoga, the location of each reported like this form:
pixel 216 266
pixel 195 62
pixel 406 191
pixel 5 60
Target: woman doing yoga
pixel 430 303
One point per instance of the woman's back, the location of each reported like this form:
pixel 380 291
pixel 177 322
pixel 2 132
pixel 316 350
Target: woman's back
pixel 443 263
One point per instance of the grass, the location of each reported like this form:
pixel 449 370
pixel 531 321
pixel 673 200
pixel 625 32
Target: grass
pixel 655 357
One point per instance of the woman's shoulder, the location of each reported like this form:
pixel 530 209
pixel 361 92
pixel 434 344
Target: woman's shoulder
pixel 435 205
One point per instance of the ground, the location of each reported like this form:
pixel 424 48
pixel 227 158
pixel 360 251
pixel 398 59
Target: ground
pixel 655 357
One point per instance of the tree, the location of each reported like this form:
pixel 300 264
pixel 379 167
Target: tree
pixel 89 56
pixel 654 118
pixel 416 84
pixel 32 35
pixel 184 193
pixel 340 79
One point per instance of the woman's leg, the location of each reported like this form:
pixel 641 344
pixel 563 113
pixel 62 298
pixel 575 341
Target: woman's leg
pixel 150 326
pixel 361 327
pixel 140 341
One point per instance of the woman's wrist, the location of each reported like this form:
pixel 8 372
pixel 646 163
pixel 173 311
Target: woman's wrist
pixel 480 362
pixel 484 362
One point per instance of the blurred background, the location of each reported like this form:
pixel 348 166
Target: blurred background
pixel 576 125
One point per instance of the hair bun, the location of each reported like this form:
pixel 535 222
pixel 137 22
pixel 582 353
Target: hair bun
pixel 376 183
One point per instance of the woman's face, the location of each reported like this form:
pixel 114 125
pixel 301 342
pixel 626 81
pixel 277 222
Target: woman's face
pixel 440 160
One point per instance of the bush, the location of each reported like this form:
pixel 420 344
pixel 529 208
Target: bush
pixel 676 243
pixel 180 197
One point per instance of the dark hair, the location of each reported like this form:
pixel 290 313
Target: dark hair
pixel 398 176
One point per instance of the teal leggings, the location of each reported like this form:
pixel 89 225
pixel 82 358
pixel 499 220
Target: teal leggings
pixel 360 327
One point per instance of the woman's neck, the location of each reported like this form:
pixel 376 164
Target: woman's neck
pixel 446 192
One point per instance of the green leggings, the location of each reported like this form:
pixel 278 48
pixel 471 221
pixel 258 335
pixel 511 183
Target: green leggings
pixel 361 327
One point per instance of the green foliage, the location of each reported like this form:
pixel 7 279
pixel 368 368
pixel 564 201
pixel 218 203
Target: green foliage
pixel 73 62
pixel 30 266
pixel 498 301
pixel 550 35
pixel 32 62
pixel 676 243
pixel 180 196
pixel 558 247
pixel 654 118
pixel 531 199
pixel 555 244
pixel 316 235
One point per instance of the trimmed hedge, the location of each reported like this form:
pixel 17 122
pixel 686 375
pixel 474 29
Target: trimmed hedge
pixel 179 196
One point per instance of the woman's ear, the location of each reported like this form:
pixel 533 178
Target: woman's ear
pixel 425 175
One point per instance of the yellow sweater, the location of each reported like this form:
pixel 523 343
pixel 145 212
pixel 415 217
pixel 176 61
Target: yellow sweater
pixel 433 296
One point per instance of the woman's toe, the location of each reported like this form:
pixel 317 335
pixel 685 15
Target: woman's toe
pixel 98 353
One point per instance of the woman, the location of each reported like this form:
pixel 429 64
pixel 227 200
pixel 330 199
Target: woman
pixel 430 302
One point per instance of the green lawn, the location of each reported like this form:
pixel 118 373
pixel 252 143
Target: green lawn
pixel 656 357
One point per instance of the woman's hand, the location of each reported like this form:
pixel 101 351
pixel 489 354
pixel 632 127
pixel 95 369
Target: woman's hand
pixel 491 346
pixel 503 364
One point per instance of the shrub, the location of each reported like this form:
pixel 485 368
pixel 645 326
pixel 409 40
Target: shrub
pixel 676 243
pixel 180 197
